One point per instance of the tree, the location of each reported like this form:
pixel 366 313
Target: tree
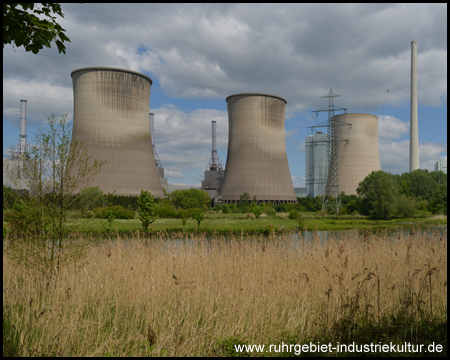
pixel 257 211
pixel 199 216
pixel 385 204
pixel 56 170
pixel 90 198
pixel 368 191
pixel 26 27
pixel 147 208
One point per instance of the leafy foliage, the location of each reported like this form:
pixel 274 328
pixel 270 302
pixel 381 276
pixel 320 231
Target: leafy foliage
pixel 188 199
pixel 147 208
pixel 257 211
pixel 25 26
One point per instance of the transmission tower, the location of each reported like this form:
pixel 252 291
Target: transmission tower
pixel 331 171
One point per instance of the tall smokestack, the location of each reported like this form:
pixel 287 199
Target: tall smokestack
pixel 214 143
pixel 414 127
pixel 152 128
pixel 23 126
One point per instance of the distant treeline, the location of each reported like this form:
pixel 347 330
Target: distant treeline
pixel 382 195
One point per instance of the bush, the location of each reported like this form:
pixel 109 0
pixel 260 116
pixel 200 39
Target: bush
pixel 294 214
pixel 166 211
pixel 225 209
pixel 89 214
pixel 257 211
pixel 269 211
pixel 117 211
pixel 280 208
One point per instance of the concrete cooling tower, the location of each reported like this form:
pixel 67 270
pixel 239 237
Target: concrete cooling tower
pixel 257 161
pixel 111 108
pixel 358 156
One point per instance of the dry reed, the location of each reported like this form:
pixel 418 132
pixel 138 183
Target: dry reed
pixel 152 297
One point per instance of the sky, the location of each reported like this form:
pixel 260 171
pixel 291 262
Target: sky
pixel 199 54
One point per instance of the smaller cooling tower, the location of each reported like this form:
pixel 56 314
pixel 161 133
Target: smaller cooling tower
pixel 111 114
pixel 356 149
pixel 257 161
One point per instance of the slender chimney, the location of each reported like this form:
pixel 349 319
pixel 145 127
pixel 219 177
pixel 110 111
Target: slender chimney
pixel 23 126
pixel 214 143
pixel 414 127
pixel 152 128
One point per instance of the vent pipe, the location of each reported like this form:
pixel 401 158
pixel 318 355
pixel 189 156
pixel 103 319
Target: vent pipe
pixel 23 126
pixel 414 127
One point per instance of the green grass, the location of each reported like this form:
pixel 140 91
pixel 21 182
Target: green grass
pixel 226 223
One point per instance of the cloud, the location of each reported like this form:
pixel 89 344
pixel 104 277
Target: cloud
pixel 390 128
pixel 176 174
pixel 394 156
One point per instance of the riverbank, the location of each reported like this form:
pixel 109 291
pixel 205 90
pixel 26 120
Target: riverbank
pixel 243 223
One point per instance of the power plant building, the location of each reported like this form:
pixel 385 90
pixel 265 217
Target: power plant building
pixel 441 165
pixel 356 149
pixel 214 171
pixel 316 164
pixel 257 160
pixel 111 116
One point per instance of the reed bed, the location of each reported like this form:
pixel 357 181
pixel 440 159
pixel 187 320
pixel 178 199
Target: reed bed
pixel 188 297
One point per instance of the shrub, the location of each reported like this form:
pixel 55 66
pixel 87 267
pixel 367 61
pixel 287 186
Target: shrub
pixel 166 211
pixel 294 214
pixel 225 208
pixel 118 212
pixel 89 214
pixel 269 211
pixel 257 211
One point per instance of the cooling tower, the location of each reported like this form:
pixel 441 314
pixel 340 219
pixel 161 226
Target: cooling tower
pixel 414 125
pixel 356 149
pixel 257 160
pixel 111 108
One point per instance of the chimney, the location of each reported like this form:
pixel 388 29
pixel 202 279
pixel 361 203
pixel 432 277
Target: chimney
pixel 414 127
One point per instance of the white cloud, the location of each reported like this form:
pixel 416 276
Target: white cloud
pixel 394 156
pixel 176 174
pixel 390 128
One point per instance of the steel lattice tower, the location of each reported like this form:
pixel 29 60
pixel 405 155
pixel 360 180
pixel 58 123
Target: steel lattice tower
pixel 332 180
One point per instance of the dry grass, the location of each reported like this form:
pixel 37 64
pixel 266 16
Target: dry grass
pixel 178 298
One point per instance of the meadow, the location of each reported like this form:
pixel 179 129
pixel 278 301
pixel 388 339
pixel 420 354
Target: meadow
pixel 214 223
pixel 192 297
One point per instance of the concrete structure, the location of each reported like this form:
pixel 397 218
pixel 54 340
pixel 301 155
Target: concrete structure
pixel 441 165
pixel 214 172
pixel 159 166
pixel 14 175
pixel 357 149
pixel 316 163
pixel 257 160
pixel 111 114
pixel 414 126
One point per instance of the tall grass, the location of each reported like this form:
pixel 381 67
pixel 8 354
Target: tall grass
pixel 190 296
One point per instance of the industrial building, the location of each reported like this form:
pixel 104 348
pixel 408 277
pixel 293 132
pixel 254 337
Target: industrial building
pixel 257 160
pixel 214 171
pixel 111 116
pixel 14 175
pixel 356 149
pixel 441 165
pixel 316 163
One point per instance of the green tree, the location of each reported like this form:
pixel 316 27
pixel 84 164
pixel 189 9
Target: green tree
pixel 405 207
pixel 368 191
pixel 33 26
pixel 91 198
pixel 385 204
pixel 147 209
pixel 257 211
pixel 56 170
pixel 199 216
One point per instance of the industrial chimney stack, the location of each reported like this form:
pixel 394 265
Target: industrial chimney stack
pixel 23 127
pixel 414 131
